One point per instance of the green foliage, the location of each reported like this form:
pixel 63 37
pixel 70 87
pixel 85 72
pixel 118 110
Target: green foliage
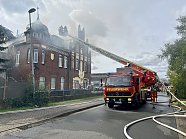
pixel 176 55
pixel 40 98
pixel 5 34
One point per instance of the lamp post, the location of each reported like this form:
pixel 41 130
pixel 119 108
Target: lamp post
pixel 31 49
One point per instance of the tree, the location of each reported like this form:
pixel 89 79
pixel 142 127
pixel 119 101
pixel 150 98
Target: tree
pixel 175 53
pixel 5 35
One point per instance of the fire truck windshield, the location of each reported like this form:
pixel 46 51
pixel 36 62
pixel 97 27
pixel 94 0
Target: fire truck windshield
pixel 118 81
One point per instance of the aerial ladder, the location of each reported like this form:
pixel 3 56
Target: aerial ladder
pixel 148 77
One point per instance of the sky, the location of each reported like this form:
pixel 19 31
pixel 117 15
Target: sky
pixel 136 30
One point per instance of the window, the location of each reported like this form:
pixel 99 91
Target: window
pixel 76 84
pixel 118 80
pixel 89 65
pixel 85 58
pixel 17 57
pixel 28 56
pixel 77 61
pixel 85 84
pixel 65 61
pixel 81 51
pixel 77 64
pixel 52 56
pixel 62 83
pixel 53 83
pixel 43 57
pixel 60 61
pixel 41 82
pixel 85 66
pixel 72 60
pixel 35 55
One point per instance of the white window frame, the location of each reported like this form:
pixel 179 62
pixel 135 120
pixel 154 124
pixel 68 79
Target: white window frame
pixel 76 84
pixel 62 81
pixel 52 56
pixel 28 55
pixel 18 57
pixel 43 57
pixel 77 61
pixel 65 61
pixel 41 82
pixel 53 83
pixel 60 64
pixel 35 55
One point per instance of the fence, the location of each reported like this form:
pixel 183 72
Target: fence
pixel 59 95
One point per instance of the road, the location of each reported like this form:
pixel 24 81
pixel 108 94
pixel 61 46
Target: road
pixel 103 123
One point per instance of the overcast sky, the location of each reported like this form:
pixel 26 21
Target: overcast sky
pixel 133 29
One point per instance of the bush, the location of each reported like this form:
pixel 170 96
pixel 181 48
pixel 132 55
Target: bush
pixel 40 98
pixel 13 103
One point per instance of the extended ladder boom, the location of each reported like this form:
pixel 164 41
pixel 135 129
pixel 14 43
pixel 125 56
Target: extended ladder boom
pixel 119 59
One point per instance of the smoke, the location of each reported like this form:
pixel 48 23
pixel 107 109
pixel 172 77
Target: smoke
pixel 93 25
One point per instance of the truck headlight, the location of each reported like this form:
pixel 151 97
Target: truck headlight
pixel 129 99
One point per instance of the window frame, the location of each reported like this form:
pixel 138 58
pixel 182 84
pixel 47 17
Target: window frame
pixel 28 55
pixel 65 62
pixel 60 62
pixel 62 83
pixel 36 56
pixel 42 82
pixel 53 86
pixel 43 57
pixel 18 57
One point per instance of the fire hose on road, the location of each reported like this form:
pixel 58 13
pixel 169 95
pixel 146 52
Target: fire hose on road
pixel 173 114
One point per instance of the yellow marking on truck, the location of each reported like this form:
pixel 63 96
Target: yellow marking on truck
pixel 117 89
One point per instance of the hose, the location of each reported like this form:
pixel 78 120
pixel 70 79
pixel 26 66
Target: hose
pixel 161 115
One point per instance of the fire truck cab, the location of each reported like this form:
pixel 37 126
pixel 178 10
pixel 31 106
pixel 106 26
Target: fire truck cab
pixel 122 89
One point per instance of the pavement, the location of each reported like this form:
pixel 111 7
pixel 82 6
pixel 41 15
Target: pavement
pixel 23 119
pixel 103 123
pixel 98 123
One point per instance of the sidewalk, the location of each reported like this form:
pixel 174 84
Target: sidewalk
pixel 23 118
pixel 181 125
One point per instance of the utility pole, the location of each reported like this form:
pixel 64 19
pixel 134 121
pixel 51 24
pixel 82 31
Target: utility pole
pixel 31 50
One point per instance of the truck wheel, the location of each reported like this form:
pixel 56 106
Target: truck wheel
pixel 145 99
pixel 136 102
pixel 110 105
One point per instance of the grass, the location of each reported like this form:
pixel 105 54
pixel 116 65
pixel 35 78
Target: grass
pixel 72 101
pixel 52 104
pixel 15 109
pixel 178 104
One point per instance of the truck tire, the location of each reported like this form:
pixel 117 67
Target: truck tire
pixel 136 102
pixel 110 105
pixel 144 101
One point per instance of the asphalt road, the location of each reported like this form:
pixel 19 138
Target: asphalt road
pixel 103 123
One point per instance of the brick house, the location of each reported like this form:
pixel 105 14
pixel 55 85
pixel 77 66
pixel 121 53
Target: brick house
pixel 60 62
